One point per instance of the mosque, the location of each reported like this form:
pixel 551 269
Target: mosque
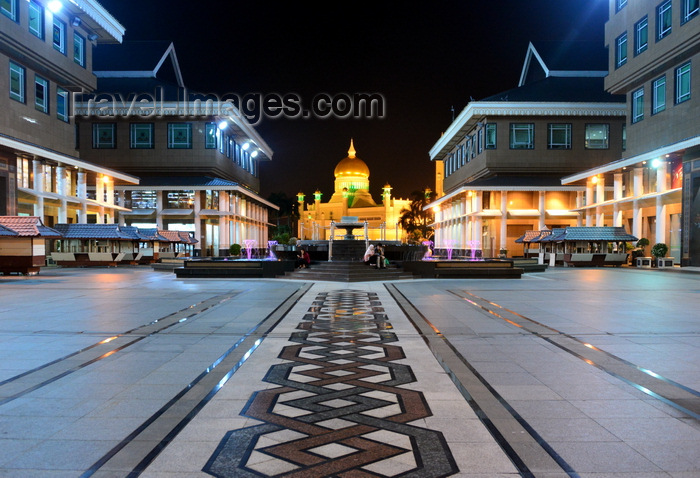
pixel 352 199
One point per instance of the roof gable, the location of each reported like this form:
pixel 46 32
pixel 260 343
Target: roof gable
pixel 147 59
pixel 27 226
pixel 563 59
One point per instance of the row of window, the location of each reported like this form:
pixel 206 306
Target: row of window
pixel 658 93
pixel 37 25
pixel 42 92
pixel 142 136
pixel 664 18
pixel 522 136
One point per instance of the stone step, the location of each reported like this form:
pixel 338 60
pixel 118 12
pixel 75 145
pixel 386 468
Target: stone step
pixel 343 271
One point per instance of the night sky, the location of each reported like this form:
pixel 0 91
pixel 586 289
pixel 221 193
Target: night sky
pixel 424 61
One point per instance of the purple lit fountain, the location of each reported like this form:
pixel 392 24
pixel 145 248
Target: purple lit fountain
pixel 249 243
pixel 271 245
pixel 429 252
pixel 473 245
pixel 449 244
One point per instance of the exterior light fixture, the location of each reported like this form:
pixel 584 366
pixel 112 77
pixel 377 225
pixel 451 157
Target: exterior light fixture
pixel 594 179
pixel 105 179
pixel 76 22
pixel 245 146
pixel 655 163
pixel 55 6
pixel 254 154
pixel 222 125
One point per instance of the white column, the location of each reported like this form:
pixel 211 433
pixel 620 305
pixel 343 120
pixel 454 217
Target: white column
pixel 579 204
pixel 476 227
pixel 159 209
pixel 38 171
pixel 638 189
pixel 543 212
pixel 589 201
pixel 504 220
pixel 661 219
pixel 617 194
pixel 599 198
pixel 198 221
pixel 82 194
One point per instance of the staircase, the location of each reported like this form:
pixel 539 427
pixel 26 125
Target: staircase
pixel 347 271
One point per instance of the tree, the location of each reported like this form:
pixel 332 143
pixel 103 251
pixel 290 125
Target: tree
pixel 286 217
pixel 416 220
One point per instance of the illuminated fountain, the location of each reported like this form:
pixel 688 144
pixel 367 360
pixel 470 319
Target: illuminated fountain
pixel 249 243
pixel 473 245
pixel 448 244
pixel 429 250
pixel 271 245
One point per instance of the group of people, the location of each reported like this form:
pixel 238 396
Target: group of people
pixel 374 256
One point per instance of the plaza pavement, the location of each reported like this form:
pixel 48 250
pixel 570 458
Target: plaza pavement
pixel 585 372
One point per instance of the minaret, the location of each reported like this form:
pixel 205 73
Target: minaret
pixel 351 151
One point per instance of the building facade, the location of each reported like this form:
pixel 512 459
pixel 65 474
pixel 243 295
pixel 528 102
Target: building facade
pixel 503 157
pixel 351 198
pixel 196 156
pixel 654 46
pixel 46 54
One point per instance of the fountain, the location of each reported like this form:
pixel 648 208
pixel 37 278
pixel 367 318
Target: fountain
pixel 473 248
pixel 449 244
pixel 271 245
pixel 249 243
pixel 429 252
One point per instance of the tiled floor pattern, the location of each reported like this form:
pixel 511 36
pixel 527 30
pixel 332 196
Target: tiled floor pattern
pixel 338 408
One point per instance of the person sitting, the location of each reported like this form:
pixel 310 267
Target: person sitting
pixel 303 259
pixel 369 253
pixel 378 258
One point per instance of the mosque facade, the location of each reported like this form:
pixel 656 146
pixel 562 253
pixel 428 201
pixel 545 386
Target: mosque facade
pixel 352 199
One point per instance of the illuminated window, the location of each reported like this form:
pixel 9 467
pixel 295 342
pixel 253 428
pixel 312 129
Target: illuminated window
pixel 641 35
pixel 9 9
pixel 179 135
pixel 79 49
pixel 41 94
pixel 141 135
pixel 621 50
pixel 62 104
pixel 17 82
pixel 59 35
pixel 683 83
pixel 36 19
pixel 689 9
pixel 210 135
pixel 104 135
pixel 663 20
pixel 597 136
pixel 638 105
pixel 490 135
pixel 658 95
pixel 559 136
pixel 522 136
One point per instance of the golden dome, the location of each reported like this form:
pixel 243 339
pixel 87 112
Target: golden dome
pixel 352 165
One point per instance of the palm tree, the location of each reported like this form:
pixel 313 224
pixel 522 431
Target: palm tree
pixel 415 220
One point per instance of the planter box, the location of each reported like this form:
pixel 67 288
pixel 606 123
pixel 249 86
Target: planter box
pixel 644 262
pixel 664 262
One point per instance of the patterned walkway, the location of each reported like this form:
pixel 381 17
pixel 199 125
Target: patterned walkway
pixel 339 407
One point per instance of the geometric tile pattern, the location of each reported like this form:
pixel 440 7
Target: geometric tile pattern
pixel 340 407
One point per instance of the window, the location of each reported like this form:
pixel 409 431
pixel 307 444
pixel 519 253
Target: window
pixel 210 136
pixel 638 105
pixel 480 138
pixel 620 4
pixel 624 137
pixel 41 94
pixel 658 95
pixel 641 35
pixel 36 19
pixel 522 136
pixel 597 136
pixel 621 50
pixel 663 20
pixel 141 135
pixel 62 104
pixel 104 135
pixel 559 136
pixel 17 82
pixel 179 135
pixel 59 35
pixel 9 9
pixel 79 49
pixel 683 83
pixel 689 9
pixel 490 135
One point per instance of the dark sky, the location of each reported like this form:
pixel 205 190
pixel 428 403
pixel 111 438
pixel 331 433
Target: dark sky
pixel 424 58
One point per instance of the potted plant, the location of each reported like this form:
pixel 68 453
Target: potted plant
pixel 503 253
pixel 659 251
pixel 235 250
